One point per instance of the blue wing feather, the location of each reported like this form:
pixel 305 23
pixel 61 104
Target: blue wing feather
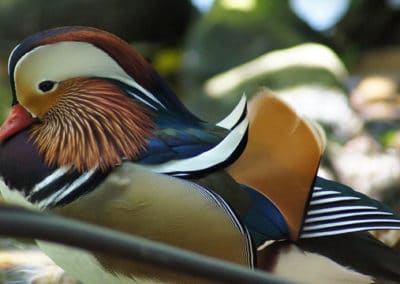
pixel 159 151
pixel 180 138
pixel 263 219
pixel 176 139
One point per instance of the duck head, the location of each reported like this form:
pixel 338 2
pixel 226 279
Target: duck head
pixel 86 96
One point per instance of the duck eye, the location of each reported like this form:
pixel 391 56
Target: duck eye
pixel 46 85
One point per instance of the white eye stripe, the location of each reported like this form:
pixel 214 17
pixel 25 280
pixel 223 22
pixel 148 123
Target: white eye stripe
pixel 70 59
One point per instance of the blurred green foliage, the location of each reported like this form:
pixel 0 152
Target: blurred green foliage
pixel 228 36
pixel 5 100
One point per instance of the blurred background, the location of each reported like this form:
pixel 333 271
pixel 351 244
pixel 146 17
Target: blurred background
pixel 335 61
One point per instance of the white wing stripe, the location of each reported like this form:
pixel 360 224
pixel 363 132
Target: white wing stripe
pixel 340 208
pixel 347 230
pixel 333 212
pixel 332 199
pixel 344 215
pixel 344 223
pixel 324 193
pixel 233 118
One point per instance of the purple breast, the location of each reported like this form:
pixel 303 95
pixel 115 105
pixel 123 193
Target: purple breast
pixel 21 166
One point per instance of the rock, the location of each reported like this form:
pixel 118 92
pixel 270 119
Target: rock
pixel 365 166
pixel 376 98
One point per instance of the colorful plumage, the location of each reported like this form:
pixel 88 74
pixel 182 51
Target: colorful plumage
pixel 273 162
pixel 95 134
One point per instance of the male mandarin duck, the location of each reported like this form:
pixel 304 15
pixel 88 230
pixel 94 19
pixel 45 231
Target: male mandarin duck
pixel 95 134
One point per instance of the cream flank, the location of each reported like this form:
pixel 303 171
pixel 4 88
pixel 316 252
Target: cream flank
pixel 148 197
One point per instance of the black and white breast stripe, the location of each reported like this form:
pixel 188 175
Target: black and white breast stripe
pixel 332 212
pixel 208 194
pixel 63 186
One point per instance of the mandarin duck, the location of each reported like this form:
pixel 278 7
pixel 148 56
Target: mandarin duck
pixel 95 134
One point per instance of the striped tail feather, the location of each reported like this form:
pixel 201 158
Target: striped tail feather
pixel 337 209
